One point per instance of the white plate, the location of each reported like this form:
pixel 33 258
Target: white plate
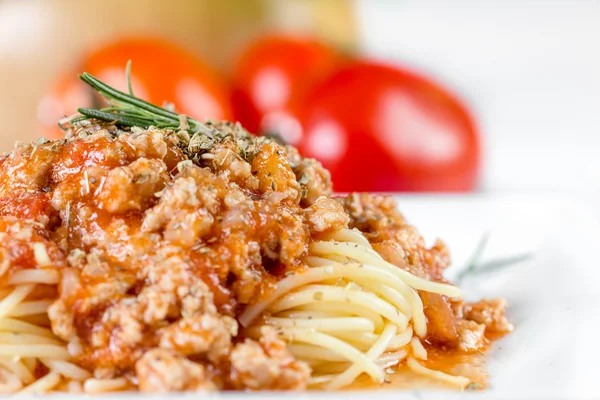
pixel 554 351
pixel 554 296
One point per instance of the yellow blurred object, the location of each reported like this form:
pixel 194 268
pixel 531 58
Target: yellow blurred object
pixel 39 39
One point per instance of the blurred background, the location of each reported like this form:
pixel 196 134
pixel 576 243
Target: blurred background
pixel 405 95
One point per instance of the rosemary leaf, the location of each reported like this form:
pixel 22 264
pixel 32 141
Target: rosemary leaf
pixel 475 257
pixel 475 266
pixel 128 76
pixel 122 119
pixel 116 95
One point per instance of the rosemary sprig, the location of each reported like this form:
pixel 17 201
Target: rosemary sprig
pixel 475 266
pixel 126 110
pixel 475 257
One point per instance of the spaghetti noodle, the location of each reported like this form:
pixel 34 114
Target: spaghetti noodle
pixel 34 359
pixel 350 312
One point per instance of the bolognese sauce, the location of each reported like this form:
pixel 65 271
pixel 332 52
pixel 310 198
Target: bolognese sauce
pixel 158 243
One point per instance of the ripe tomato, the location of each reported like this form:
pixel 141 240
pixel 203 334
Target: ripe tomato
pixel 160 73
pixel 270 74
pixel 380 128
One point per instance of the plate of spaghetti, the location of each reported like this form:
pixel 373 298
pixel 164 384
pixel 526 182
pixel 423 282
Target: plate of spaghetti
pixel 149 252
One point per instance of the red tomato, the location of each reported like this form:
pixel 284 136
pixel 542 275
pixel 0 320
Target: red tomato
pixel 160 73
pixel 270 74
pixel 379 128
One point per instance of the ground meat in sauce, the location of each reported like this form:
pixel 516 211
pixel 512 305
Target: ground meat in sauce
pixel 160 244
pixel 489 313
pixel 158 254
pixel 20 242
pixel 163 371
pixel 450 323
pixel 266 364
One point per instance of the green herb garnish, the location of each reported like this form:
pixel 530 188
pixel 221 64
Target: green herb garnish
pixel 475 266
pixel 196 139
pixel 126 110
pixel 475 257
